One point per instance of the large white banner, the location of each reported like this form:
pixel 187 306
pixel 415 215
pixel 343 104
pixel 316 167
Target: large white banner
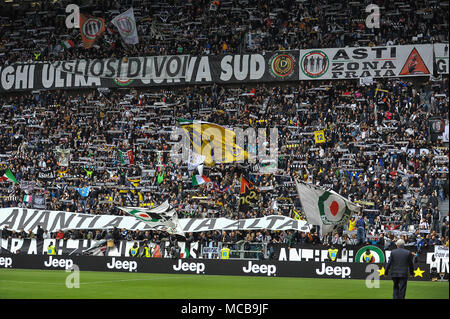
pixel 361 62
pixel 441 252
pixel 21 218
pixel 441 57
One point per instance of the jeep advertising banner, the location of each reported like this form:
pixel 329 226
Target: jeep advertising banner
pixel 353 254
pixel 150 71
pixel 298 254
pixel 362 62
pixel 204 267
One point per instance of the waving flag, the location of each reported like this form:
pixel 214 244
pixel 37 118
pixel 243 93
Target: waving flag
pixel 8 176
pixel 220 190
pixel 196 161
pixel 325 208
pixel 160 178
pixel 161 216
pixel 129 159
pixel 213 141
pixel 91 29
pixel 199 180
pixel 126 24
pixel 67 44
pixel 296 215
pixel 83 191
pixel 249 195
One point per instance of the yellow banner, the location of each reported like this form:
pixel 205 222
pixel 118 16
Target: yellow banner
pixel 319 136
pixel 214 142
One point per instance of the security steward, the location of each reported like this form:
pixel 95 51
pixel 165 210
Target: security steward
pixel 225 252
pixel 332 253
pixel 368 257
pixel 51 249
pixel 147 252
pixel 134 250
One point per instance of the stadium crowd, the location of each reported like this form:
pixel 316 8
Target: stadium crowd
pixel 201 27
pixel 381 151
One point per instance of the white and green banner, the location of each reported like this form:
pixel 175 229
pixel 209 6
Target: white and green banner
pixel 17 218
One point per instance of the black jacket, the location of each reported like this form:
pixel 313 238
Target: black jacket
pixel 400 263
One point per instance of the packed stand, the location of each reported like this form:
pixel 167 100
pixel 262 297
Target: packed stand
pixel 36 33
pixel 380 152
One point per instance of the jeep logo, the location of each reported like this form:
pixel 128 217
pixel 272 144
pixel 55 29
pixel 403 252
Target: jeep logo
pixel 58 263
pixel 336 271
pixel 125 265
pixel 185 266
pixel 5 262
pixel 263 269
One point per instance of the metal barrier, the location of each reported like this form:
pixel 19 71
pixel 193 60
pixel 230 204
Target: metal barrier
pixel 243 250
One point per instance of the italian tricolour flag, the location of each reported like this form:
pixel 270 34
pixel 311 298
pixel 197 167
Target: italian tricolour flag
pixel 8 176
pixel 199 180
pixel 325 208
pixel 129 155
pixel 67 44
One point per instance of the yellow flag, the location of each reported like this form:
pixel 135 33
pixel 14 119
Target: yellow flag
pixel 214 142
pixel 297 216
pixel 381 90
pixel 62 173
pixel 135 182
pixel 319 136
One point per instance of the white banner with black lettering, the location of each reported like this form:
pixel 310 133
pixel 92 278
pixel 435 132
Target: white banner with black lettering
pixel 441 252
pixel 441 57
pixel 28 219
pixel 362 62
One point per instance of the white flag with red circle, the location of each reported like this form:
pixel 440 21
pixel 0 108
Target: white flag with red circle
pixel 325 208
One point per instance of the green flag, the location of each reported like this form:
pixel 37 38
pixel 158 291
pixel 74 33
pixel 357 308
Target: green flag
pixel 8 176
pixel 122 161
pixel 160 177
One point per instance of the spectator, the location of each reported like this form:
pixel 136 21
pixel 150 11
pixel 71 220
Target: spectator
pixel 39 233
pixel 361 230
pixel 60 234
pixel 46 235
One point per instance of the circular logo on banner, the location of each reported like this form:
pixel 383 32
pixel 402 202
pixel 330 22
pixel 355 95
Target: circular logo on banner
pixel 377 253
pixel 315 63
pixel 438 126
pixel 123 82
pixel 282 65
pixel 125 25
pixel 91 28
pixel 144 216
pixel 332 209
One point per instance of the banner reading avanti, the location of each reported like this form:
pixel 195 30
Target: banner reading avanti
pixel 29 219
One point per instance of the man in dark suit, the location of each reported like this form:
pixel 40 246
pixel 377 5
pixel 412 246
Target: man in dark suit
pixel 400 265
pixel 40 233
